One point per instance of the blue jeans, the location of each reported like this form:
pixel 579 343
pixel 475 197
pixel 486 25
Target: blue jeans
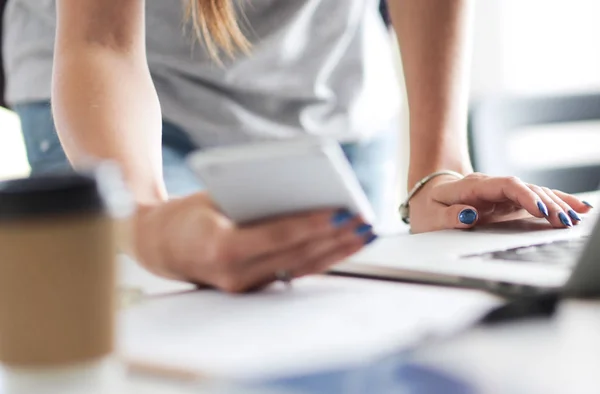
pixel 372 160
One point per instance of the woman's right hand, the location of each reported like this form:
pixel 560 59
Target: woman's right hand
pixel 189 239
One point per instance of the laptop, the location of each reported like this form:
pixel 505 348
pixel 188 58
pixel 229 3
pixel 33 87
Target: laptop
pixel 510 258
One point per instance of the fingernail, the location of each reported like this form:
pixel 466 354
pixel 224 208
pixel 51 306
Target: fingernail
pixel 371 239
pixel 363 229
pixel 467 216
pixel 587 204
pixel 564 219
pixel 542 207
pixel 341 217
pixel 574 215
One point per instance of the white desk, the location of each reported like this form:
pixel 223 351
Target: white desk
pixel 330 321
pixel 322 321
pixel 556 356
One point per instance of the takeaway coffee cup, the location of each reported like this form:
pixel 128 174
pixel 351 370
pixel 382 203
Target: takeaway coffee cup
pixel 58 245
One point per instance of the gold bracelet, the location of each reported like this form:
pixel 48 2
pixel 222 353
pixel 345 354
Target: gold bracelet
pixel 404 207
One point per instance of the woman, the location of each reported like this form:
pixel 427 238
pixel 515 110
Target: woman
pixel 290 67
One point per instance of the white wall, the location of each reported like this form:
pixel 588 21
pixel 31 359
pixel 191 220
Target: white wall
pixel 536 46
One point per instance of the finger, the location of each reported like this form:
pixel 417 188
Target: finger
pixel 556 214
pixel 459 216
pixel 279 234
pixel 474 190
pixel 333 256
pixel 577 204
pixel 572 216
pixel 488 208
pixel 321 263
pixel 307 258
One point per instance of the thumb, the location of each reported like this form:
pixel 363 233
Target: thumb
pixel 460 216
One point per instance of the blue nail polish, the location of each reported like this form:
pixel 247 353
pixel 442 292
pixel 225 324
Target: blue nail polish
pixel 587 204
pixel 363 229
pixel 371 239
pixel 467 216
pixel 574 215
pixel 542 207
pixel 564 219
pixel 341 217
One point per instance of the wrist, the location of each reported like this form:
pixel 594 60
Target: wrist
pixel 148 194
pixel 147 200
pixel 424 183
pixel 437 147
pixel 416 174
pixel 140 229
pixel 149 245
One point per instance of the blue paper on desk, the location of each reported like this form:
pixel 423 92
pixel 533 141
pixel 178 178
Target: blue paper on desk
pixel 392 375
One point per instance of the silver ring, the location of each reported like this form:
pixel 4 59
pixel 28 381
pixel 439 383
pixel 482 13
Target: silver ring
pixel 283 276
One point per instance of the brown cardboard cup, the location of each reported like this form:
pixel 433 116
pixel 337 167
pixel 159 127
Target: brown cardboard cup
pixel 57 273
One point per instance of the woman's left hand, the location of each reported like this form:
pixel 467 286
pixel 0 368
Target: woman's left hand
pixel 446 203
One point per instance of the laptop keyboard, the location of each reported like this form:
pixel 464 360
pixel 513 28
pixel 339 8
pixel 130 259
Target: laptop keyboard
pixel 562 252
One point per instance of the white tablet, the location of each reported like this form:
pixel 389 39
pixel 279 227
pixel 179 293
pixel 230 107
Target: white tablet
pixel 266 179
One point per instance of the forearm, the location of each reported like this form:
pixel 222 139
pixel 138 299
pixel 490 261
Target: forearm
pixel 104 109
pixel 104 103
pixel 435 47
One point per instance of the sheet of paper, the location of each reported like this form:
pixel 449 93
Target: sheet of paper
pixel 134 280
pixel 320 322
pixel 154 386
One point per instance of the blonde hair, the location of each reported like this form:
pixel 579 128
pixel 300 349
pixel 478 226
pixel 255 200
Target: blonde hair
pixel 215 24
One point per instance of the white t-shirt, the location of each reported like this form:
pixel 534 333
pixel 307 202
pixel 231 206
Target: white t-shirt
pixel 316 66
